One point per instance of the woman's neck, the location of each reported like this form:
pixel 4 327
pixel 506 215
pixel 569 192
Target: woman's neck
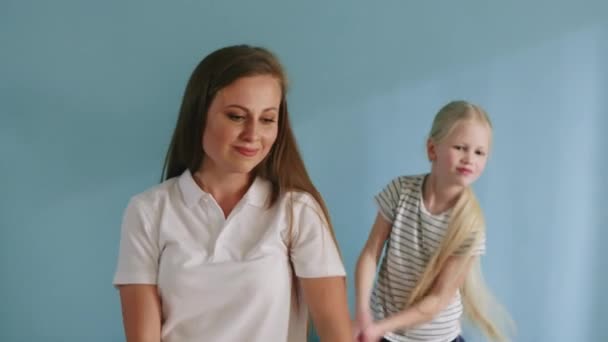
pixel 226 189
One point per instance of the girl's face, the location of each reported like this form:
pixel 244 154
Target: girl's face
pixel 242 124
pixel 461 157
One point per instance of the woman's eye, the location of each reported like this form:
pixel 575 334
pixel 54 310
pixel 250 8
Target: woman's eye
pixel 235 117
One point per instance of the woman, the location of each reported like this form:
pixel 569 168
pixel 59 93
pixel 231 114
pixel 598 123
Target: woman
pixel 236 243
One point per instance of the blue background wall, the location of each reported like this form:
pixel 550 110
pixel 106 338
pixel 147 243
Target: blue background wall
pixel 89 93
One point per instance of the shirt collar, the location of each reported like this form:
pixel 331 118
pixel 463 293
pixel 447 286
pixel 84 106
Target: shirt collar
pixel 257 194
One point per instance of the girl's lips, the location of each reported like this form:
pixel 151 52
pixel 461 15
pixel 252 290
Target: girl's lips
pixel 464 170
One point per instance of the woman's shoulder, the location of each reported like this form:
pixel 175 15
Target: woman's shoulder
pixel 300 198
pixel 155 195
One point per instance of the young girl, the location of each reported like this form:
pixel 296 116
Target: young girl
pixel 236 243
pixel 435 232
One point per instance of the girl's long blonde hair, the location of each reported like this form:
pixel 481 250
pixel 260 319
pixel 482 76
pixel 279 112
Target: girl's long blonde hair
pixel 466 227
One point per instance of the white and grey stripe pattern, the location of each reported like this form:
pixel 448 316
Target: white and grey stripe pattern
pixel 414 237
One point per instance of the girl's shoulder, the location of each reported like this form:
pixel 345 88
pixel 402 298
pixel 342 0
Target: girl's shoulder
pixel 406 183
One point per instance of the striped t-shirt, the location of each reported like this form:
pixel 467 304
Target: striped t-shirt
pixel 415 236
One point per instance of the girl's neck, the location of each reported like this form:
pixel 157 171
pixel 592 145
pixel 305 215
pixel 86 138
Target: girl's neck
pixel 439 196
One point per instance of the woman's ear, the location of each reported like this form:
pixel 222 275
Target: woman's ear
pixel 430 150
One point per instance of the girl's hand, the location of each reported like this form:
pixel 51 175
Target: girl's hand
pixel 371 333
pixel 362 321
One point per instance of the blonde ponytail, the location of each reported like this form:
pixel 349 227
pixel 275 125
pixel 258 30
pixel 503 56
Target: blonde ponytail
pixel 460 227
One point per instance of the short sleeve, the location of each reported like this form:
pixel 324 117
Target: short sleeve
pixel 388 199
pixel 314 253
pixel 479 246
pixel 138 253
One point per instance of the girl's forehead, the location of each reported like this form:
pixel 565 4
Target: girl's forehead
pixel 470 125
pixel 471 129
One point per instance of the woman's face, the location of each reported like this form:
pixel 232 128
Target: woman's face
pixel 242 124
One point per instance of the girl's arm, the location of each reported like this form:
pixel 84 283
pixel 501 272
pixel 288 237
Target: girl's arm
pixel 367 266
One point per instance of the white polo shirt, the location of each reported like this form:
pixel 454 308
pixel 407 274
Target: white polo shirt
pixel 225 279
